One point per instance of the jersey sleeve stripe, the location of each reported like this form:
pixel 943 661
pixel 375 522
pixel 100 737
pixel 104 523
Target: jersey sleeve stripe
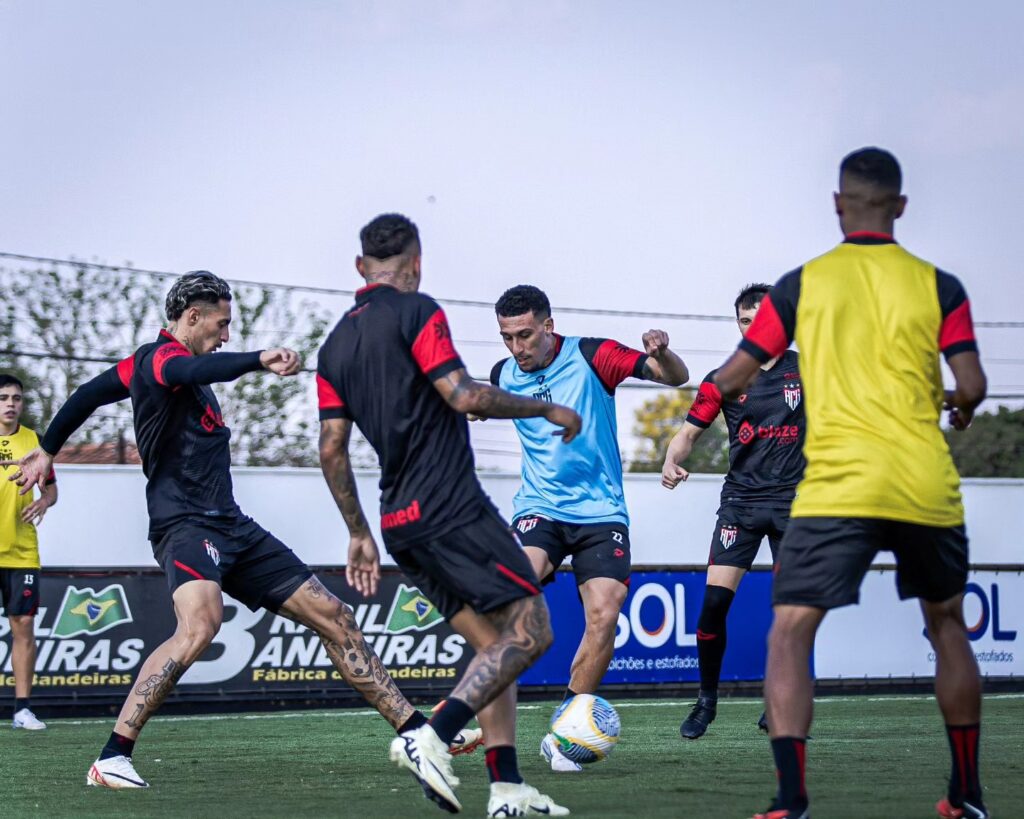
pixel 164 354
pixel 767 334
pixel 330 403
pixel 614 363
pixel 706 405
pixel 433 345
pixel 327 396
pixel 757 352
pixel 957 330
pixel 125 370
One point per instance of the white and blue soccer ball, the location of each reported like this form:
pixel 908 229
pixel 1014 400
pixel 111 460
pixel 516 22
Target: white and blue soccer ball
pixel 586 728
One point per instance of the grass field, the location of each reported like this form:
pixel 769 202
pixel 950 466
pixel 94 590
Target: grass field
pixel 883 756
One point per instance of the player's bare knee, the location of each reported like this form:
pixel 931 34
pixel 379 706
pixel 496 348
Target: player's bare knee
pixel 22 628
pixel 603 615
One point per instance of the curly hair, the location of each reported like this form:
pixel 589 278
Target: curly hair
pixel 523 298
pixel 197 286
pixel 390 234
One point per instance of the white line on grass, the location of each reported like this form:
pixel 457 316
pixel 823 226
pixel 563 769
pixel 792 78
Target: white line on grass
pixel 342 713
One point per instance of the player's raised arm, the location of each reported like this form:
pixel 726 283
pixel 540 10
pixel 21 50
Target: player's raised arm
pixel 468 396
pixel 363 567
pixel 181 368
pixel 663 365
pixel 108 387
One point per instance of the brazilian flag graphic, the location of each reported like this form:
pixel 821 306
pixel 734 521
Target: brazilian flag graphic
pixel 411 611
pixel 85 611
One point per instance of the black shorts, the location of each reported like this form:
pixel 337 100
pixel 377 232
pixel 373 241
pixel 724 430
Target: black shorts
pixel 19 592
pixel 824 560
pixel 739 532
pixel 597 549
pixel 479 564
pixel 248 562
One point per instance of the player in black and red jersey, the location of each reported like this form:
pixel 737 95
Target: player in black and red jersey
pixel 200 537
pixel 766 434
pixel 390 366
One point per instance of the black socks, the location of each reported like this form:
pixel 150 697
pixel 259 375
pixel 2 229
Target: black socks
pixel 502 765
pixel 711 636
pixel 117 745
pixel 451 718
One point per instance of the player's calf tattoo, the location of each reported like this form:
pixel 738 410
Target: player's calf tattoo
pixel 361 668
pixel 525 634
pixel 154 690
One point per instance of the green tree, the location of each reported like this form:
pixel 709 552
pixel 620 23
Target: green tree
pixel 660 418
pixel 71 321
pixel 992 447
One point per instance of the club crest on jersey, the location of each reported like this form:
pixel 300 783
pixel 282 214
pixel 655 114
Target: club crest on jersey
pixel 526 524
pixel 211 550
pixel 727 536
pixel 791 392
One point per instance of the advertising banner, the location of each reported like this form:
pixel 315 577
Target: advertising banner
pixel 656 638
pixel 94 632
pixel 885 637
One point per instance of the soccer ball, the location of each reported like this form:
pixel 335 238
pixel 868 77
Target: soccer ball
pixel 586 728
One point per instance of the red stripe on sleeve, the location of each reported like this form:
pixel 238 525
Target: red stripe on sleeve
pixel 957 327
pixel 614 363
pixel 706 404
pixel 327 395
pixel 768 332
pixel 433 345
pixel 164 354
pixel 125 370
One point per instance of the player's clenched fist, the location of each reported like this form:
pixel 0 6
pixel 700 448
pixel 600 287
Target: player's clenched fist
pixel 672 475
pixel 281 361
pixel 655 342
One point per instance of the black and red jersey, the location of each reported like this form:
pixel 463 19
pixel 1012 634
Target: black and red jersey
pixel 376 368
pixel 179 428
pixel 766 434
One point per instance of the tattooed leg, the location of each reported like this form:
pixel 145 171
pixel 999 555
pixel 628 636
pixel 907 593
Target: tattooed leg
pixel 199 608
pixel 314 606
pixel 524 633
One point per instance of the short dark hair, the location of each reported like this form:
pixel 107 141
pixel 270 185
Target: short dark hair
pixel 390 234
pixel 197 286
pixel 6 379
pixel 874 166
pixel 523 298
pixel 751 296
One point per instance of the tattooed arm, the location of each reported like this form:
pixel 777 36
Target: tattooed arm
pixel 363 567
pixel 468 396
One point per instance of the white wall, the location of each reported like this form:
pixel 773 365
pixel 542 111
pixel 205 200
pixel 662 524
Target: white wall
pixel 101 517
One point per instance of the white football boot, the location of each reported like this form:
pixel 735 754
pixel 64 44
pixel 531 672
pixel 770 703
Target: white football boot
pixel 426 757
pixel 27 720
pixel 510 799
pixel 116 772
pixel 560 763
pixel 466 741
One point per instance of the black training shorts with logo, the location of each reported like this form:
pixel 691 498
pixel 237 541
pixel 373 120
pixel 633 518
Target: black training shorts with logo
pixel 479 564
pixel 248 562
pixel 739 532
pixel 823 560
pixel 19 591
pixel 597 549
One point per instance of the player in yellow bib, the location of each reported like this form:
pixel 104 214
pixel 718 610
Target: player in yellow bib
pixel 19 549
pixel 870 320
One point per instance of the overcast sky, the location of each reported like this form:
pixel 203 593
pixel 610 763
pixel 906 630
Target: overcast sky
pixel 632 155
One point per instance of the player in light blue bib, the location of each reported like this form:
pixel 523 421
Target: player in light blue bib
pixel 571 501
